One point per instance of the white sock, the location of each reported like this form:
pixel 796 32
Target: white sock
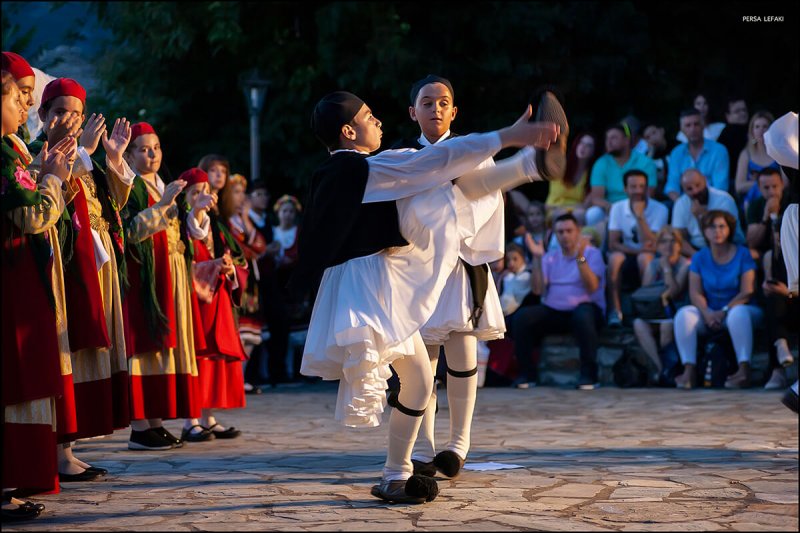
pixel 416 383
pixel 425 446
pixel 462 355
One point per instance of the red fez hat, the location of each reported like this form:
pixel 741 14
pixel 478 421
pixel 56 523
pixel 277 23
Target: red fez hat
pixel 141 128
pixel 16 65
pixel 193 176
pixel 63 87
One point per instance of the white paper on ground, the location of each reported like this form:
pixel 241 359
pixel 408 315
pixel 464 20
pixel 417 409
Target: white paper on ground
pixel 483 467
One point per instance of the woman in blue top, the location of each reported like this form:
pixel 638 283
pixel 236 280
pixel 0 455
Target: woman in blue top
pixel 721 283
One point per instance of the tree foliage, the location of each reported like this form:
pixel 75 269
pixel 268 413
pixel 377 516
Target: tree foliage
pixel 178 66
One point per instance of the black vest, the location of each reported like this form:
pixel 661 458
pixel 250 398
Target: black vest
pixel 337 227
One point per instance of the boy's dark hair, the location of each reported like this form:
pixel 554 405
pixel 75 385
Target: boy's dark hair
pixel 633 172
pixel 564 218
pixel 430 78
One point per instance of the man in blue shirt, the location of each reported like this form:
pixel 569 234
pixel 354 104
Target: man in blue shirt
pixel 606 180
pixel 707 156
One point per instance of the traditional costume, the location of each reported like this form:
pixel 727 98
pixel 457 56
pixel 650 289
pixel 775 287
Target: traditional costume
pixel 159 331
pixel 219 363
pixel 93 280
pixel 469 304
pixel 37 377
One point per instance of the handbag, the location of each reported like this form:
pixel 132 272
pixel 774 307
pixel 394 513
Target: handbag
pixel 647 302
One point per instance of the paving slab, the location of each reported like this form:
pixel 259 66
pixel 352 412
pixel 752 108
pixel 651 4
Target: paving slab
pixel 603 460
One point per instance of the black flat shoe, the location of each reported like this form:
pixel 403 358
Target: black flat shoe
pixel 230 433
pixel 22 512
pixel 100 471
pixel 202 436
pixel 423 468
pixel 448 463
pixel 86 475
pixel 162 432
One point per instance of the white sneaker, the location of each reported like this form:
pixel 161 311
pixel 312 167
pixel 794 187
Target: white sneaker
pixel 785 357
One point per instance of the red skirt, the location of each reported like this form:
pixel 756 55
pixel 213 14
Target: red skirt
pixel 29 458
pixel 165 396
pixel 221 382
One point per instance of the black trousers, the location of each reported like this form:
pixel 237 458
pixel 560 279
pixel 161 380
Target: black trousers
pixel 783 321
pixel 530 325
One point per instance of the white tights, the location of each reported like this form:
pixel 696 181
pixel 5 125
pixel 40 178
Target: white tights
pixel 462 355
pixel 740 323
pixel 416 383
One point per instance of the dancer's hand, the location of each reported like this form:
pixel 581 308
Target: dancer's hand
pixel 171 191
pixel 524 133
pixel 116 144
pixel 66 125
pixel 95 128
pixel 54 162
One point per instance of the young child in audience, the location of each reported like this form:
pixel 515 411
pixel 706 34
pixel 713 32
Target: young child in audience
pixel 515 282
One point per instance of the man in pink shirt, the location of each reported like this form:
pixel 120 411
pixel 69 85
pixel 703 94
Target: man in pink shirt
pixel 571 281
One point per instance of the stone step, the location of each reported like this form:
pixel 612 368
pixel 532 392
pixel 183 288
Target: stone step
pixel 559 361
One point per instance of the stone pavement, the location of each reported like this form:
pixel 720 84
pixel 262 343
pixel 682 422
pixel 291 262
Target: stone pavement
pixel 610 459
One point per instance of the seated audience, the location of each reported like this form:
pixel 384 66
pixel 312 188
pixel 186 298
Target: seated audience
pixel 699 198
pixel 606 182
pixel 707 156
pixel 782 313
pixel 515 282
pixel 535 224
pixel 721 285
pixel 571 282
pixel 670 271
pixel 753 159
pixel 711 130
pixel 764 211
pixel 734 136
pixel 569 194
pixel 658 150
pixel 632 225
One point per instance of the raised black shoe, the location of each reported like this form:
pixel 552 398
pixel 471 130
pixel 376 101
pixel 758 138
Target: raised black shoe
pixel 552 163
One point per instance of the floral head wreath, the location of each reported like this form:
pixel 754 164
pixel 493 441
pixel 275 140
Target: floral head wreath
pixel 288 198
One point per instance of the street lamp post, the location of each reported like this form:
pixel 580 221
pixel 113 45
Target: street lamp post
pixel 255 90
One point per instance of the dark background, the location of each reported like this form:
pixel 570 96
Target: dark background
pixel 178 65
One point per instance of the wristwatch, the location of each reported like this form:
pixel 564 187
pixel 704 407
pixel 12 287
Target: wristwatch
pixel 726 309
pixel 581 260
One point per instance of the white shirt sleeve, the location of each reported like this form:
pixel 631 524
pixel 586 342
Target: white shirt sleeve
pixel 615 216
pixel 396 174
pixel 124 172
pixel 680 220
pixel 85 159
